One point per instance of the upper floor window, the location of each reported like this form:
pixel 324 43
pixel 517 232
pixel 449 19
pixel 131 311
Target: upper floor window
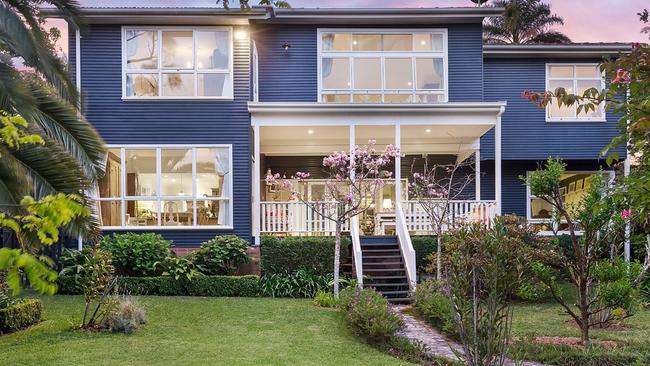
pixel 382 66
pixel 177 63
pixel 173 186
pixel 575 79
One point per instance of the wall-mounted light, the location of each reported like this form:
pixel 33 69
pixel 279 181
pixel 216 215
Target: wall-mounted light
pixel 241 35
pixel 428 130
pixel 286 46
pixel 311 132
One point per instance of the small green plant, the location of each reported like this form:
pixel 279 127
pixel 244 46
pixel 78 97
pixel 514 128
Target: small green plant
pixel 299 284
pixel 20 314
pixel 325 299
pixel 432 303
pixel 221 255
pixel 369 314
pixel 181 268
pixel 125 315
pixel 136 254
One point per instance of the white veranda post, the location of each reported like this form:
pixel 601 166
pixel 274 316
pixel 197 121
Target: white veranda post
pixel 256 184
pixel 497 162
pixel 477 178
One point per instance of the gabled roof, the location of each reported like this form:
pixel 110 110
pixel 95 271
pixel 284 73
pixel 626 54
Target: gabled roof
pixel 587 50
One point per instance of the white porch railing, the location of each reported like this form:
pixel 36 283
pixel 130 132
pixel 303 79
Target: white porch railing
pixel 406 247
pixel 356 250
pixel 459 212
pixel 295 217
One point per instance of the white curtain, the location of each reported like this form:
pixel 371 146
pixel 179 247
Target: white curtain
pixel 222 167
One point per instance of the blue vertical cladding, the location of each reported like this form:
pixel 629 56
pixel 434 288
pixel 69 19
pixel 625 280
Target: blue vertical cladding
pixel 513 190
pixel 292 75
pixel 525 133
pixel 169 121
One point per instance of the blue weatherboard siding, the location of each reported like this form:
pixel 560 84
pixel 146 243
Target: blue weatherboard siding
pixel 292 76
pixel 169 122
pixel 525 133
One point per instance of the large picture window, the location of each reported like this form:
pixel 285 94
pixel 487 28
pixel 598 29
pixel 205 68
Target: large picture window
pixel 177 63
pixel 575 79
pixel 385 66
pixel 166 187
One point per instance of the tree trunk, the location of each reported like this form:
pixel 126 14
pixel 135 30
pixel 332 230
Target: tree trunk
pixel 584 312
pixel 439 258
pixel 337 259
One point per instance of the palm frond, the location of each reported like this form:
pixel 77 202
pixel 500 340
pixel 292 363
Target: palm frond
pixel 550 37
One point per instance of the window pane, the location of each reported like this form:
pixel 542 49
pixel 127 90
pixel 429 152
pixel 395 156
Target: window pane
pixel 399 73
pixel 110 185
pixel 177 213
pixel 398 98
pixel 539 209
pixel 110 213
pixel 212 50
pixel 212 212
pixel 177 49
pixel 366 42
pixel 336 98
pixel 561 71
pixel 366 98
pixel 140 172
pixel 141 213
pixel 428 98
pixel 430 72
pixel 141 49
pixel 336 42
pixel 584 85
pixel 212 172
pixel 336 73
pixel 177 85
pixel 176 172
pixel 142 85
pixel 427 42
pixel 553 110
pixel 588 71
pixel 398 42
pixel 367 73
pixel 214 85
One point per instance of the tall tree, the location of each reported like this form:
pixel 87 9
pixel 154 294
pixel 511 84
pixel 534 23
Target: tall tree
pixel 524 22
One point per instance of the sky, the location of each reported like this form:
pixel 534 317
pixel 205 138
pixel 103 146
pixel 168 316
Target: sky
pixel 584 20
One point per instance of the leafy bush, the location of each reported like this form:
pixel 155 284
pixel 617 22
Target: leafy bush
pixel 563 355
pixel 136 254
pixel 435 306
pixel 178 267
pixel 126 316
pixel 20 314
pixel 221 255
pixel 298 284
pixel 5 292
pixel 369 315
pixel 533 292
pixel 314 254
pixel 325 299
pixel 424 246
pixel 211 286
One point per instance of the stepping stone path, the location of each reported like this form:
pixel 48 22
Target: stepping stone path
pixel 436 343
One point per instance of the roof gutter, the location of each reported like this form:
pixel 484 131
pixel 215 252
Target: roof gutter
pixel 563 50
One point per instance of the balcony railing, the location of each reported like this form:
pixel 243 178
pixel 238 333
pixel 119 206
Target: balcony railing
pixel 458 213
pixel 294 217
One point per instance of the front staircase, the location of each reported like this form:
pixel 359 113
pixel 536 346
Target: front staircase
pixel 383 268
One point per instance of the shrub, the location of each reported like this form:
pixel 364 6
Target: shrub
pixel 178 267
pixel 20 314
pixel 211 286
pixel 314 254
pixel 435 306
pixel 136 254
pixel 221 255
pixel 126 316
pixel 325 299
pixel 533 292
pixel 369 314
pixel 298 284
pixel 424 246
pixel 6 298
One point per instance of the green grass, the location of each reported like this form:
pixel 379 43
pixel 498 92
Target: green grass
pixel 196 331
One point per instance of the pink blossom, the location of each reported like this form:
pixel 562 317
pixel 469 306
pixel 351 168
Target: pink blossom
pixel 636 45
pixel 349 197
pixel 626 213
pixel 622 77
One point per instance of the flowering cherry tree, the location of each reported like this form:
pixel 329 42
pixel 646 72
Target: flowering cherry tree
pixel 434 188
pixel 351 178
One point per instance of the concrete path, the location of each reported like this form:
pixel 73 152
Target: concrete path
pixel 437 344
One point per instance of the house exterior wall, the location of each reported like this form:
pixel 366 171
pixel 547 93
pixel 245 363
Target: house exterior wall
pixel 189 122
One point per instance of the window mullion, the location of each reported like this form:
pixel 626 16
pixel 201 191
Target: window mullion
pixel 158 185
pixel 194 193
pixel 123 185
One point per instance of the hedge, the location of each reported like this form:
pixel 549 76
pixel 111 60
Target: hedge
pixel 313 254
pixel 423 246
pixel 20 315
pixel 212 286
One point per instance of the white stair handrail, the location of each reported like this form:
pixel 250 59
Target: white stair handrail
pixel 406 246
pixel 356 250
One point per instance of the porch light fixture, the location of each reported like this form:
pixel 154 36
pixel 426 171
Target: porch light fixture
pixel 311 132
pixel 286 46
pixel 387 204
pixel 428 130
pixel 241 35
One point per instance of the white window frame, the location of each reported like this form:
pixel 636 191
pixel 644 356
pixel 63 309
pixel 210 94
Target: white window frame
pixel 530 196
pixel 576 118
pixel 123 198
pixel 229 92
pixel 382 55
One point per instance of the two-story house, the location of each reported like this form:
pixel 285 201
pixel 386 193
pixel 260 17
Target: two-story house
pixel 197 105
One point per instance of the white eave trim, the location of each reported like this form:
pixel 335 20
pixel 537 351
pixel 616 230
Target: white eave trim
pixel 565 50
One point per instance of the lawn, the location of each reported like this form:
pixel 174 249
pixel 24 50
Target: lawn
pixel 196 331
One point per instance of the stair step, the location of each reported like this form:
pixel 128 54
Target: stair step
pixel 382 257
pixel 401 270
pixel 381 250
pixel 383 264
pixel 399 300
pixel 387 284
pixel 394 292
pixel 386 277
pixel 377 244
